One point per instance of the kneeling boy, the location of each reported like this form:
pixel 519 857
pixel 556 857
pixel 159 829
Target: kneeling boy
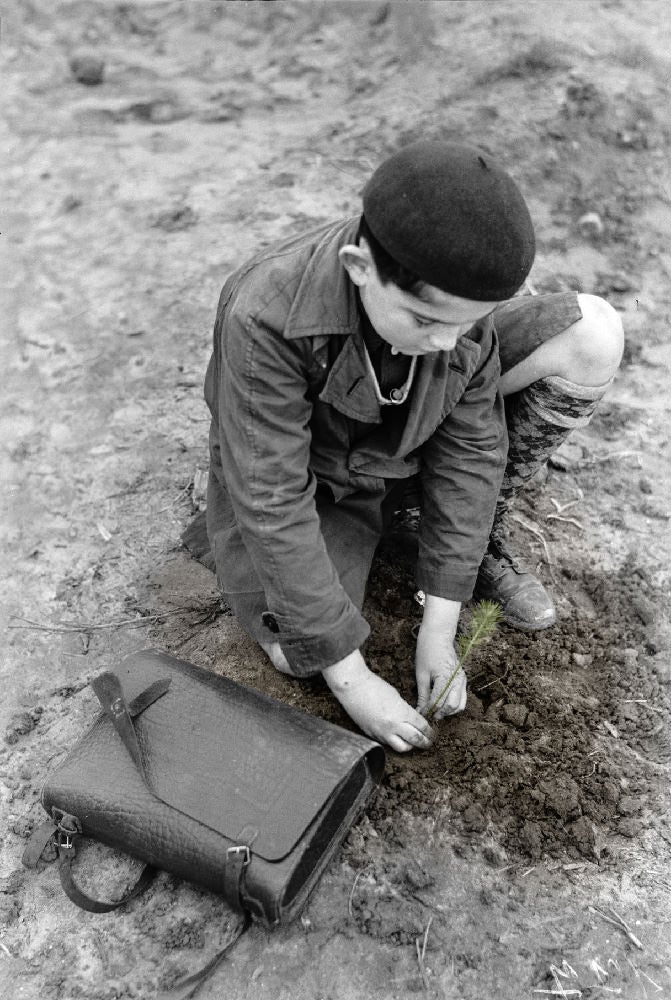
pixel 360 356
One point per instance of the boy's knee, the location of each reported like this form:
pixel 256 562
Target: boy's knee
pixel 273 651
pixel 599 341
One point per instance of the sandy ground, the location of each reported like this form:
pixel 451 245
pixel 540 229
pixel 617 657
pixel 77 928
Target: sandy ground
pixel 487 867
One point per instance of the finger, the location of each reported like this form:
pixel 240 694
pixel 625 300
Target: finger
pixel 448 705
pixel 452 703
pixel 398 744
pixel 423 691
pixel 421 724
pixel 463 699
pixel 411 735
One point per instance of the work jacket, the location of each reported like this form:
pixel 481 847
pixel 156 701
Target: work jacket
pixel 286 382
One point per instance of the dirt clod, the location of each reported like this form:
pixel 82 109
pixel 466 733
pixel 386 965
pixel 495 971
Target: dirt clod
pixel 20 724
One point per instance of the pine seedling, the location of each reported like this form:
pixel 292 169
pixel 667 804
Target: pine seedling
pixel 486 616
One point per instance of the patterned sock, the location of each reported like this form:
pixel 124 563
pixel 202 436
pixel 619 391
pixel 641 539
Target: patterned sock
pixel 539 419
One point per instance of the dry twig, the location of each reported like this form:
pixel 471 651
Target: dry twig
pixel 180 496
pixel 617 921
pixel 538 533
pixel 610 455
pixel 354 885
pixel 561 992
pixel 67 627
pixel 421 952
pixel 561 507
pixel 566 520
pixel 495 681
pixel 640 972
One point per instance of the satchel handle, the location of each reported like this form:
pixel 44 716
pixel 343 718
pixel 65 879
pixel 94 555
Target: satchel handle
pixel 64 832
pixel 66 855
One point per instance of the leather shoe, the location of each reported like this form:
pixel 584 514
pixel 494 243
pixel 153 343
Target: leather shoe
pixel 524 601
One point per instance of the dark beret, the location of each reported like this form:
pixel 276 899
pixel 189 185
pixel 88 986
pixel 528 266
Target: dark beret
pixel 447 213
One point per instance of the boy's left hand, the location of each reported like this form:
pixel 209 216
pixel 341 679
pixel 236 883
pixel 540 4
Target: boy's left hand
pixel 435 661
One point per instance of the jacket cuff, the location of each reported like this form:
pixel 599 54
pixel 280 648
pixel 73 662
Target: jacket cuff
pixel 451 586
pixel 308 655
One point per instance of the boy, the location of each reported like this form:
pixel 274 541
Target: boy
pixel 352 360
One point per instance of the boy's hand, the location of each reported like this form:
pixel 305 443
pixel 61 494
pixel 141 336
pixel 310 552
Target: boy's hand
pixel 435 662
pixel 436 659
pixel 376 706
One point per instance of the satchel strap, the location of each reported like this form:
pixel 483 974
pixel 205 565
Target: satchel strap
pixel 235 863
pixel 39 839
pixel 187 988
pixel 107 687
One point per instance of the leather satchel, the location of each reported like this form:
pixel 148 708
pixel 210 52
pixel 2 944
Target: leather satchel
pixel 210 780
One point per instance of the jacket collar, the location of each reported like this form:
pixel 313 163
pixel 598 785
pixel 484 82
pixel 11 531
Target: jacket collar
pixel 325 302
pixel 326 305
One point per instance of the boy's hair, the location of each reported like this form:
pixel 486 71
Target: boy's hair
pixel 388 269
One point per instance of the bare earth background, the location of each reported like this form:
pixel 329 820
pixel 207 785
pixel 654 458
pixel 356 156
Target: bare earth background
pixel 484 867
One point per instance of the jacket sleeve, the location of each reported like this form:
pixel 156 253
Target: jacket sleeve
pixel 462 469
pixel 263 429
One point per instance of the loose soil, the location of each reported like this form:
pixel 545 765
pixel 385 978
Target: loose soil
pixel 150 148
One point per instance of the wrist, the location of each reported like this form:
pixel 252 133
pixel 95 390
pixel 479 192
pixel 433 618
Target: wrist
pixel 439 612
pixel 342 675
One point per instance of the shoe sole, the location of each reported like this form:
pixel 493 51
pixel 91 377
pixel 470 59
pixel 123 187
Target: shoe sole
pixel 529 626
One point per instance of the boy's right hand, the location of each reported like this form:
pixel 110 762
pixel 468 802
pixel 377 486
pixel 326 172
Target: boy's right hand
pixel 376 706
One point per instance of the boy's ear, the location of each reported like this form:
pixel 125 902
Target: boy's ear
pixel 357 261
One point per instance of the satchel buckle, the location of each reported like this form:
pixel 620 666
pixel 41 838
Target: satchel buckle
pixel 238 851
pixel 67 828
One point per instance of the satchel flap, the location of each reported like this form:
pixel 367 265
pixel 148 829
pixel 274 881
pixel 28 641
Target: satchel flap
pixel 251 768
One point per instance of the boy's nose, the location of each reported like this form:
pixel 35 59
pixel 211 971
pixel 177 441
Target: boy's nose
pixel 444 340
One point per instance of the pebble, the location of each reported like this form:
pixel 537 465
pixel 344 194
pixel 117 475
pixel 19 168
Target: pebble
pixel 516 715
pixel 20 724
pixel 495 855
pixel 628 805
pixel 630 658
pixel 562 796
pixel 662 669
pixel 158 111
pixel 582 659
pixel 620 282
pixel 474 819
pixel 176 219
pixel 87 69
pixel 629 826
pixel 531 838
pixel 567 457
pixel 584 834
pixel 590 224
pixel 493 712
pixel 416 876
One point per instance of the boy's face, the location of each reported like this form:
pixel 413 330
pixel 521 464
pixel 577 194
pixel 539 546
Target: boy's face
pixel 413 324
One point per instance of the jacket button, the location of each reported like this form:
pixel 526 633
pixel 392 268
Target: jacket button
pixel 269 621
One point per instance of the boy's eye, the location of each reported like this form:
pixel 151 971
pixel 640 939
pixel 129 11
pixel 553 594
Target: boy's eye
pixel 421 321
